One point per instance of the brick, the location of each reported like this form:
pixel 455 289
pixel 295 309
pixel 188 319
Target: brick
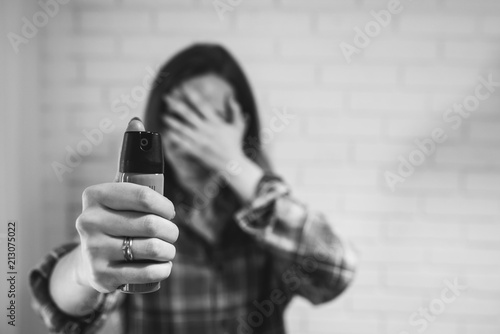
pixel 248 47
pixel 62 24
pixel 323 199
pixel 429 76
pixel 397 128
pixel 120 71
pixel 115 21
pixel 97 3
pixel 415 280
pixel 285 74
pixel 465 305
pixel 464 257
pixel 431 180
pixel 275 23
pixel 342 22
pixel 81 46
pixel 324 324
pixel 478 6
pixel 437 24
pixel 401 49
pixel 71 95
pixel 483 281
pixel 333 126
pixel 155 4
pixel 368 277
pixel 317 48
pixel 310 151
pixel 359 75
pixel 483 181
pixel 61 71
pixel 165 46
pixel 485 132
pixel 422 229
pixel 388 102
pixel 185 22
pixel 354 227
pixel 379 203
pixel 401 325
pixel 321 99
pixel 471 50
pixel 461 206
pixel 483 232
pixel 385 301
pixel 340 177
pixel 480 327
pixel 471 156
pixel 320 4
pixel 378 152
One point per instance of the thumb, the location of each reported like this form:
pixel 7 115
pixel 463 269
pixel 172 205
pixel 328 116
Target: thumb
pixel 135 124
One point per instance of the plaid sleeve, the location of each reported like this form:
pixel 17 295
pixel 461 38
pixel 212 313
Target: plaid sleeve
pixel 312 260
pixel 56 320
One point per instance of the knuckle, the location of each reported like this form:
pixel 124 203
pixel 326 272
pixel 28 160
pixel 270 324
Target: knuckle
pixel 82 223
pixel 91 193
pixel 102 280
pixel 144 197
pixel 175 232
pixel 149 225
pixel 153 249
pixel 166 270
pixel 171 251
pixel 158 272
pixel 86 221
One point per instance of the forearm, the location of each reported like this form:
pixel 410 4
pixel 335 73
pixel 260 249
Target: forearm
pixel 68 294
pixel 312 259
pixel 243 178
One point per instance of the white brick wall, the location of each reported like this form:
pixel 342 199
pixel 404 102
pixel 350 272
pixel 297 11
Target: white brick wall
pixel 353 121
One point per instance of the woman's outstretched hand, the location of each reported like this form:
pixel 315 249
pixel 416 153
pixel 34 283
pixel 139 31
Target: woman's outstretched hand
pixel 113 211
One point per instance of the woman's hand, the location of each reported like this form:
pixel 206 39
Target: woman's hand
pixel 203 133
pixel 113 211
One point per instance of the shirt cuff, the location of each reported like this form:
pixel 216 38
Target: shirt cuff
pixel 55 319
pixel 259 213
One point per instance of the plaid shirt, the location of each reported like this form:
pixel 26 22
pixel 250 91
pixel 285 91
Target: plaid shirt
pixel 276 249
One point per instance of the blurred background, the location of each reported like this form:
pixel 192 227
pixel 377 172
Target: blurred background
pixel 361 106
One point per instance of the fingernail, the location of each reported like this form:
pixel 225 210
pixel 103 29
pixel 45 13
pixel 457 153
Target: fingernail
pixel 135 124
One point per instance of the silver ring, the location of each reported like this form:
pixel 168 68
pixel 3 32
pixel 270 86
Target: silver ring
pixel 127 249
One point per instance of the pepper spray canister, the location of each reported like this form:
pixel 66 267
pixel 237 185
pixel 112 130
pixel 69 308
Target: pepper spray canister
pixel 141 162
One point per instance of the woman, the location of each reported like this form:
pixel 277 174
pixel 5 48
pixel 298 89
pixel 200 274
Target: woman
pixel 243 246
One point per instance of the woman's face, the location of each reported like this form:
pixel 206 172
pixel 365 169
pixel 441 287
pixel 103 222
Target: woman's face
pixel 216 91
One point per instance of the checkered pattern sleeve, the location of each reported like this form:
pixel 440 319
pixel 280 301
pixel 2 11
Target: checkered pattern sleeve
pixel 312 259
pixel 55 319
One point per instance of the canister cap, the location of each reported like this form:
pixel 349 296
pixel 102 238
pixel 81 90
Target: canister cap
pixel 141 153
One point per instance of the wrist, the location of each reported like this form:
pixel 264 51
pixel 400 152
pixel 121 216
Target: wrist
pixel 78 267
pixel 244 175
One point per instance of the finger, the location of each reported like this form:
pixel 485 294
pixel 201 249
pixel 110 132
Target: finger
pixel 134 224
pixel 182 129
pixel 181 109
pixel 201 104
pixel 125 196
pixel 181 142
pixel 146 249
pixel 139 272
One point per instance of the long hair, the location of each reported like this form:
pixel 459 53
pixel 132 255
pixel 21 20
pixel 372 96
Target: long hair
pixel 196 60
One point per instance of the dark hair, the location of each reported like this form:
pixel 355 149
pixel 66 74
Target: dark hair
pixel 196 60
